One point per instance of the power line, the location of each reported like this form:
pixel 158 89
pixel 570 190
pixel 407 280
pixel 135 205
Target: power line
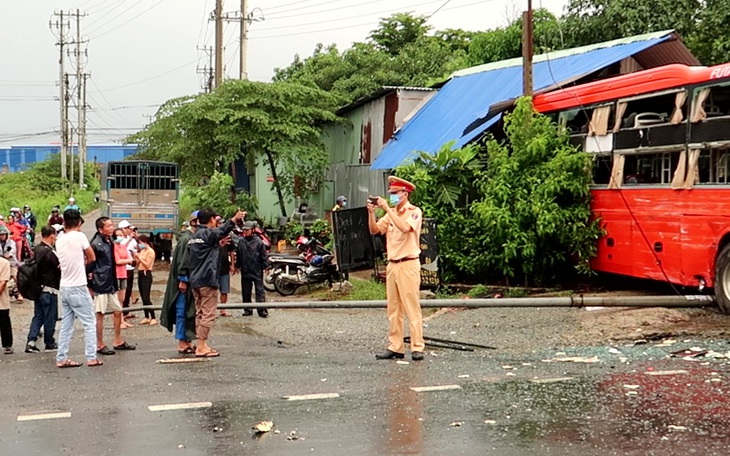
pixel 358 16
pixel 94 30
pixel 310 6
pixel 153 77
pixel 438 9
pixel 289 4
pixel 130 20
pixel 329 10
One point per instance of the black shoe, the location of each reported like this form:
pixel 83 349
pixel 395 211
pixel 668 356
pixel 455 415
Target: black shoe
pixel 389 355
pixel 263 313
pixel 105 351
pixel 32 348
pixel 247 312
pixel 53 346
pixel 417 356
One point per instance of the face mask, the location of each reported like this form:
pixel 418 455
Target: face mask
pixel 394 199
pixel 142 246
pixel 344 204
pixel 118 240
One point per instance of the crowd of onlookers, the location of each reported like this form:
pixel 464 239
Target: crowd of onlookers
pixel 93 278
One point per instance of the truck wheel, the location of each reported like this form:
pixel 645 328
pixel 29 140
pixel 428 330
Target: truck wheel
pixel 722 280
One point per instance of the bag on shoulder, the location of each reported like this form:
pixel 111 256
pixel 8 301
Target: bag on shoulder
pixel 28 280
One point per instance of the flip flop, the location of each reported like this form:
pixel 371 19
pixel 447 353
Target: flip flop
pixel 95 363
pixel 125 346
pixel 187 351
pixel 210 354
pixel 67 363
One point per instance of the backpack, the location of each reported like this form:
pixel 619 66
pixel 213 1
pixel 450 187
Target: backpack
pixel 28 280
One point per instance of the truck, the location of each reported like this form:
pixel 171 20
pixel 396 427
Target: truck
pixel 145 193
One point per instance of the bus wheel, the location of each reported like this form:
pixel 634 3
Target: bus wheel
pixel 722 280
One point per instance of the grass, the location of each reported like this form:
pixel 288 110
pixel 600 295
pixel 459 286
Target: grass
pixel 362 290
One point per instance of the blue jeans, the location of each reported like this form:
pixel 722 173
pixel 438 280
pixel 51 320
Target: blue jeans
pixel 46 311
pixel 180 302
pixel 76 302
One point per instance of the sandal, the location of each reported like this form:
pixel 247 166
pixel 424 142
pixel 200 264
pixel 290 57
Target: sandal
pixel 187 351
pixel 210 354
pixel 94 363
pixel 68 363
pixel 8 350
pixel 125 346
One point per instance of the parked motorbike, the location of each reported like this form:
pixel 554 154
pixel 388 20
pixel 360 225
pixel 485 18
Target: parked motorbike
pixel 312 266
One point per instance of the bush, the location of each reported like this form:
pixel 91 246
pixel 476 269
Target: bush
pixel 217 195
pixel 322 231
pixel 516 210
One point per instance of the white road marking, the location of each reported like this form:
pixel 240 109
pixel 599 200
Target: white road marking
pixel 306 397
pixel 44 416
pixel 667 372
pixel 189 405
pixel 428 389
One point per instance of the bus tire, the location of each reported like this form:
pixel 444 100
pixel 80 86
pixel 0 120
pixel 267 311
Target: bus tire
pixel 722 280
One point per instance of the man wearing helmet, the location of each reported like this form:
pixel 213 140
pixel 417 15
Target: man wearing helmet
pixel 340 203
pixel 72 205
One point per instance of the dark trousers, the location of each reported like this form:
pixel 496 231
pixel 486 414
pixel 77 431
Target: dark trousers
pixel 144 282
pixel 44 315
pixel 256 283
pixel 128 290
pixel 6 329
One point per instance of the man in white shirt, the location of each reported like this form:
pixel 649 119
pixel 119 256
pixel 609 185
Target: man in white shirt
pixel 74 252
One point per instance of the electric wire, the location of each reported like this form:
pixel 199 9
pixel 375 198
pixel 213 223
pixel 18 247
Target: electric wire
pixel 113 19
pixel 130 19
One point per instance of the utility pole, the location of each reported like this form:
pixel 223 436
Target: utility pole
pixel 243 64
pixel 80 101
pixel 82 130
pixel 61 26
pixel 218 43
pixel 527 40
pixel 207 71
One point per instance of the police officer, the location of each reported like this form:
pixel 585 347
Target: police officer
pixel 401 226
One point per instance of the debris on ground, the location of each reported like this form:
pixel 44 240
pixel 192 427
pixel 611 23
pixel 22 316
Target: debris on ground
pixel 263 426
pixel 573 359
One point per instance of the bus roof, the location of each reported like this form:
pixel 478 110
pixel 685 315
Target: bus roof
pixel 628 85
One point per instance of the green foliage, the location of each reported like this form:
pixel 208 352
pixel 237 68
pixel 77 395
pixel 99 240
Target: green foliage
pixel 365 290
pixel 219 195
pixel 478 291
pixel 523 213
pixel 41 187
pixel 322 231
pixel 277 122
pixel 399 30
pixel 702 24
pixel 292 230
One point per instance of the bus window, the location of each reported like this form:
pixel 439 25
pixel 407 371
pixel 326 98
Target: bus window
pixel 655 168
pixel 711 101
pixel 650 110
pixel 602 165
pixel 575 121
pixel 714 166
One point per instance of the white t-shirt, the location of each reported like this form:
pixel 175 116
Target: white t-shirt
pixel 70 250
pixel 131 244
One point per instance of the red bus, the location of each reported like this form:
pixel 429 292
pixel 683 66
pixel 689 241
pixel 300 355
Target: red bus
pixel 660 141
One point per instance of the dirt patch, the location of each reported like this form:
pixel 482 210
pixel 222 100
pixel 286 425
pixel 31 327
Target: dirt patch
pixel 631 324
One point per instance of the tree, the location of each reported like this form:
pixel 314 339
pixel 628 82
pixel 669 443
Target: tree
pixel 397 31
pixel 275 122
pixel 518 209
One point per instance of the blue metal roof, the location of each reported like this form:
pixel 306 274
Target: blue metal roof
pixel 464 99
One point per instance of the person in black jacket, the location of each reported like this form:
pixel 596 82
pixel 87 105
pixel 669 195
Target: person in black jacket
pixel 204 261
pixel 46 306
pixel 103 282
pixel 252 260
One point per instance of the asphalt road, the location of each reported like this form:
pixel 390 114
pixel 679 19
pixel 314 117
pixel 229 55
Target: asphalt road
pixel 533 395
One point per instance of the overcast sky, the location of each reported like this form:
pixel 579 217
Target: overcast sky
pixel 144 52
